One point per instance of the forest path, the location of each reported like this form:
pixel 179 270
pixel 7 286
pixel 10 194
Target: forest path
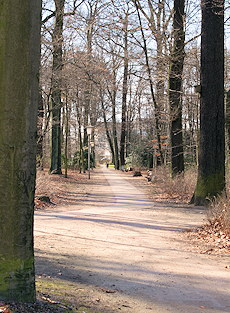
pixel 126 253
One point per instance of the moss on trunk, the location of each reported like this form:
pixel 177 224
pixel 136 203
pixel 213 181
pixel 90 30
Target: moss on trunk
pixel 208 187
pixel 17 279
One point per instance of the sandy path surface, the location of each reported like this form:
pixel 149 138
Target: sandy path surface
pixel 127 254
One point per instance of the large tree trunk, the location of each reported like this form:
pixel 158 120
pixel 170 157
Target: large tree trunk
pixel 175 90
pixel 211 168
pixel 19 70
pixel 56 88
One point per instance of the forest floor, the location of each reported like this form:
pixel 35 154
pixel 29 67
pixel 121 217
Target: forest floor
pixel 55 295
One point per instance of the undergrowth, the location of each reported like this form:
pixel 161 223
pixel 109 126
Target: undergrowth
pixel 181 188
pixel 219 213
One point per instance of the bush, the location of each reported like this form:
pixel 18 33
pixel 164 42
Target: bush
pixel 133 160
pixel 77 157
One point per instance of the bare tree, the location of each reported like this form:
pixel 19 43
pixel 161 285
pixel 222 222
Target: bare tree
pixel 56 84
pixel 175 89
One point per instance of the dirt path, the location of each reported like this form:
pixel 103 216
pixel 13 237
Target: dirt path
pixel 119 252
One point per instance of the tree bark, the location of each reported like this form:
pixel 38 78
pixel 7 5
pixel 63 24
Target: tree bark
pixel 124 94
pixel 66 133
pixel 56 88
pixel 19 92
pixel 81 140
pixel 175 90
pixel 112 94
pixel 39 131
pixel 211 168
pixel 227 122
pixel 160 158
pixel 106 126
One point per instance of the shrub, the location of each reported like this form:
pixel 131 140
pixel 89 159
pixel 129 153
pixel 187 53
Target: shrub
pixel 133 160
pixel 77 157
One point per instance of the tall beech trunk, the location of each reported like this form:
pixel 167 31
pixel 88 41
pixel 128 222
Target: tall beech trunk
pixel 115 143
pixel 124 95
pixel 66 132
pixel 112 94
pixel 175 90
pixel 160 158
pixel 227 124
pixel 211 168
pixel 56 88
pixel 81 138
pixel 19 93
pixel 39 131
pixel 106 125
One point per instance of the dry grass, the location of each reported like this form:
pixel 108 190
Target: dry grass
pixel 183 185
pixel 219 214
pixel 219 211
pixel 162 188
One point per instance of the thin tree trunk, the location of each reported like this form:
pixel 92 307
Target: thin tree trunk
pixel 39 131
pixel 19 90
pixel 124 95
pixel 81 140
pixel 106 127
pixel 116 154
pixel 175 90
pixel 227 122
pixel 114 123
pixel 157 129
pixel 56 88
pixel 211 168
pixel 66 134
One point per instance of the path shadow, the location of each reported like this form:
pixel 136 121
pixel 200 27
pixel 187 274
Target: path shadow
pixel 159 288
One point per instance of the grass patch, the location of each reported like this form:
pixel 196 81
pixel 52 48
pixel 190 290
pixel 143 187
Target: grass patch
pixel 71 296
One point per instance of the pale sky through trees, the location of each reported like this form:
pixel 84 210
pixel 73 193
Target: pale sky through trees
pixel 107 42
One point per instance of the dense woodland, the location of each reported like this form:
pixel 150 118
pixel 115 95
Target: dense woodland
pixel 111 63
pixel 150 75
